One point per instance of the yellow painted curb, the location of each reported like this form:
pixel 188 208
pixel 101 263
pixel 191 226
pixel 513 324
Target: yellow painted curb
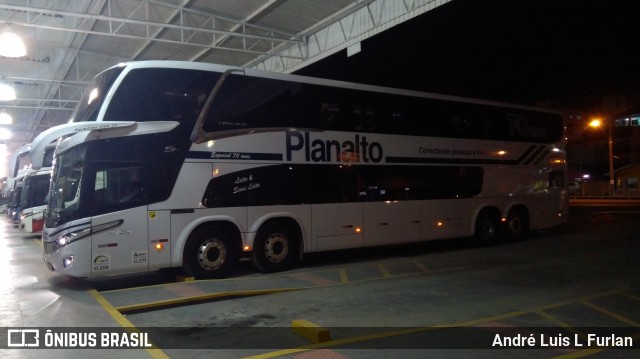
pixel 310 331
pixel 203 298
pixel 154 352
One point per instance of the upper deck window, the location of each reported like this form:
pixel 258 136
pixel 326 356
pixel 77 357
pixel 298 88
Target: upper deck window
pixel 94 96
pixel 250 103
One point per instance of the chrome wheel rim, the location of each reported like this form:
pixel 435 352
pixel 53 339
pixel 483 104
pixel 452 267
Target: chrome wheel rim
pixel 211 254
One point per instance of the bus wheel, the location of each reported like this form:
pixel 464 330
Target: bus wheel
pixel 487 231
pixel 275 248
pixel 517 224
pixel 210 253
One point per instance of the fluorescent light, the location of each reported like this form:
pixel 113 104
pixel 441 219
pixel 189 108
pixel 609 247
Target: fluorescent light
pixel 5 118
pixel 7 93
pixel 11 44
pixel 5 134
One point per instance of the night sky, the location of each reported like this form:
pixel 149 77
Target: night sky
pixel 571 52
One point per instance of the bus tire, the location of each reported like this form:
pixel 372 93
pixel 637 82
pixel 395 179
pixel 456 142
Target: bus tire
pixel 275 247
pixel 517 224
pixel 487 228
pixel 210 252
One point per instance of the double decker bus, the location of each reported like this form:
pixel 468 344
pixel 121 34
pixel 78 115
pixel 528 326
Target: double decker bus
pixel 192 165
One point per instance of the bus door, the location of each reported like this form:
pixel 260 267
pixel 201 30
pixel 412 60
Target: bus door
pixel 557 200
pixel 390 214
pixel 119 242
pixel 337 226
pixel 159 223
pixel 119 223
pixel 389 221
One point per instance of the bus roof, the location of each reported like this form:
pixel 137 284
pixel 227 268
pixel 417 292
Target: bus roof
pixel 326 82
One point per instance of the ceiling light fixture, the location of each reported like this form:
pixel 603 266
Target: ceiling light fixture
pixel 7 93
pixel 4 134
pixel 5 118
pixel 11 45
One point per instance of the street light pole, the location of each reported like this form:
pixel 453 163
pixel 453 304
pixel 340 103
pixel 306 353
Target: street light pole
pixel 598 123
pixel 611 176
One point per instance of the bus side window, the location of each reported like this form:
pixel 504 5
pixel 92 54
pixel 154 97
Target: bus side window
pixel 329 116
pixel 556 179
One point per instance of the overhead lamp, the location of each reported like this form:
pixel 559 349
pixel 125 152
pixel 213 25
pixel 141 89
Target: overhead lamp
pixel 7 93
pixel 5 118
pixel 11 45
pixel 4 134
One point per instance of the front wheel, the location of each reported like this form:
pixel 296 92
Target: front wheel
pixel 210 252
pixel 275 248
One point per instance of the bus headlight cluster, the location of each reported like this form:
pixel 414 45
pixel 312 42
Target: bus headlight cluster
pixel 72 237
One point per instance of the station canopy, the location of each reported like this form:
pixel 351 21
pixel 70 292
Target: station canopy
pixel 68 42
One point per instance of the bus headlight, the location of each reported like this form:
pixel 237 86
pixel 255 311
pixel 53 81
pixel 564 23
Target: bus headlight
pixel 72 237
pixel 62 241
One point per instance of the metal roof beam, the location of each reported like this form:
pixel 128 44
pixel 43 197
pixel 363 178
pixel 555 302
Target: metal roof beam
pixel 149 26
pixel 363 19
pixel 239 25
pixel 174 15
pixel 64 67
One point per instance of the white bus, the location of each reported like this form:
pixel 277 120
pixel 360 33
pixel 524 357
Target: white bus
pixel 14 196
pixel 18 163
pixel 33 200
pixel 196 165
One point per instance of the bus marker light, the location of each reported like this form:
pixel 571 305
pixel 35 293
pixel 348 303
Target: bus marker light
pixel 67 261
pixel 358 230
pixel 159 246
pixel 246 248
pixel 439 224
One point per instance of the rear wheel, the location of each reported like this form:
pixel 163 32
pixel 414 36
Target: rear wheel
pixel 517 224
pixel 275 247
pixel 210 252
pixel 487 229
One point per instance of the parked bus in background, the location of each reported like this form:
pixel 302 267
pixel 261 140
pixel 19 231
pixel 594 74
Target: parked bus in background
pixel 195 165
pixel 21 163
pixel 13 206
pixel 18 162
pixel 33 200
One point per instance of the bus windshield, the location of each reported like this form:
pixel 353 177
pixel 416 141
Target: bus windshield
pixel 151 94
pixel 94 95
pixel 64 204
pixel 35 191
